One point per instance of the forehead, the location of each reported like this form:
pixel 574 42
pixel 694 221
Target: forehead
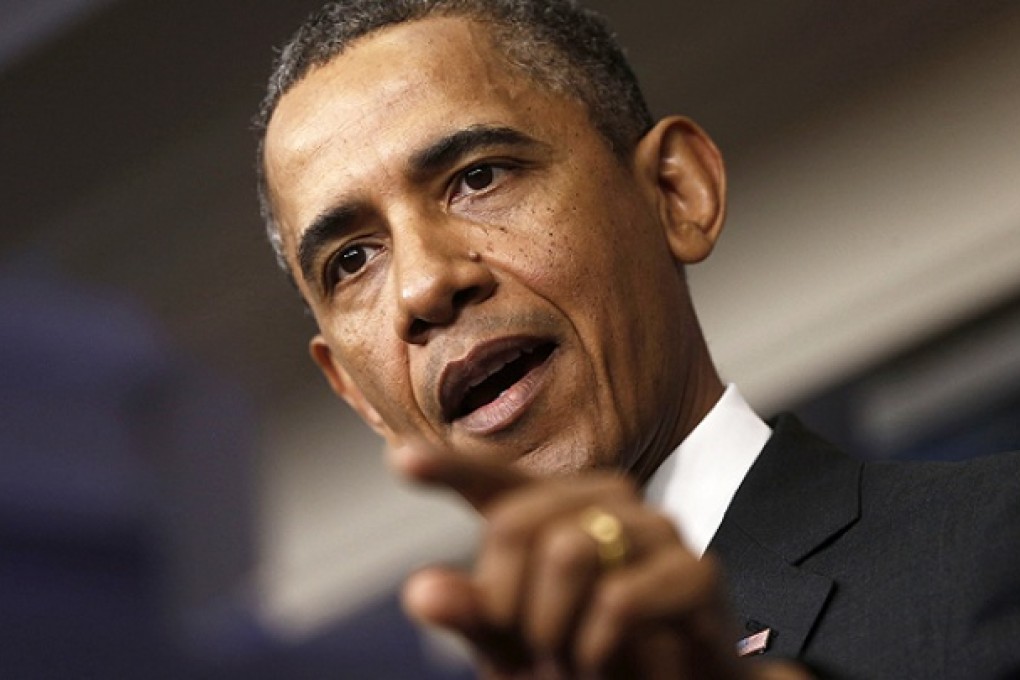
pixel 411 64
pixel 391 92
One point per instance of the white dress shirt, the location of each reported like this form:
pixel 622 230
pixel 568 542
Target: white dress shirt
pixel 695 485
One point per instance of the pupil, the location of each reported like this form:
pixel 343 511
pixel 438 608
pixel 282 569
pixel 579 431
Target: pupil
pixel 352 260
pixel 479 178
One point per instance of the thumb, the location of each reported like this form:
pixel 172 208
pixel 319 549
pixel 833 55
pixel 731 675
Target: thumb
pixel 446 598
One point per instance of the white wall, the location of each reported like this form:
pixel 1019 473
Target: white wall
pixel 861 233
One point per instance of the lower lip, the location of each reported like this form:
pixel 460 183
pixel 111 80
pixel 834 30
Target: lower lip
pixel 508 407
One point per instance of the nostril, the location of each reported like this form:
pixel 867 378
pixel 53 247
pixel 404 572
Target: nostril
pixel 418 328
pixel 464 296
pixel 439 310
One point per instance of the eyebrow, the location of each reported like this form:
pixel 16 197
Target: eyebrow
pixel 445 151
pixel 440 154
pixel 324 229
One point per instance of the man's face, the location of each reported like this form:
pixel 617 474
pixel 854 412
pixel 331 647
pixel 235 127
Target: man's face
pixel 485 273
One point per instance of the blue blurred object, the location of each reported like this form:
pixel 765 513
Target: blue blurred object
pixel 124 497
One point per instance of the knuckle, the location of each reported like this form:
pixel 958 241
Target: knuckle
pixel 616 602
pixel 508 526
pixel 677 562
pixel 567 550
pixel 707 576
pixel 662 527
pixel 709 570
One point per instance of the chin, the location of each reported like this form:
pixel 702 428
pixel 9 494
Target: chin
pixel 555 462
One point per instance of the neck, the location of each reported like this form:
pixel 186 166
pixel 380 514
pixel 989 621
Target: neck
pixel 701 391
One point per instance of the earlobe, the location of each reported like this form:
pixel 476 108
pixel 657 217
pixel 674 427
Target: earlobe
pixel 689 182
pixel 344 387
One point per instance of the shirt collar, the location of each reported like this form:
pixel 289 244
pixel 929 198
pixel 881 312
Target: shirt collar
pixel 695 485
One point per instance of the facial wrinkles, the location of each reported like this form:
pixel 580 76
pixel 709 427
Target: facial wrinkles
pixel 600 342
pixel 542 249
pixel 368 175
pixel 304 157
pixel 626 391
pixel 380 88
pixel 379 141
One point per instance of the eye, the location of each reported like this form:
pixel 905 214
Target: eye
pixel 478 178
pixel 348 261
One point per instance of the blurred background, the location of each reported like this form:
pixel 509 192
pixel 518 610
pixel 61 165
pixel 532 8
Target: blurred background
pixel 181 496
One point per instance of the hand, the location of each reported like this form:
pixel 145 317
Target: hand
pixel 541 603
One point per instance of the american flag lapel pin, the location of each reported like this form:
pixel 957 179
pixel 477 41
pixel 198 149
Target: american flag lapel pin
pixel 753 644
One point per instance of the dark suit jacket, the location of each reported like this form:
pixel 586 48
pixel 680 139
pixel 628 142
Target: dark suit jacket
pixel 877 570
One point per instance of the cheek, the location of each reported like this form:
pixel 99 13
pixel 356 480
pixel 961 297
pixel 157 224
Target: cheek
pixel 586 261
pixel 557 249
pixel 374 360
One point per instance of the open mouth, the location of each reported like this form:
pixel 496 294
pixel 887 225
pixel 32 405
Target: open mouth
pixel 489 374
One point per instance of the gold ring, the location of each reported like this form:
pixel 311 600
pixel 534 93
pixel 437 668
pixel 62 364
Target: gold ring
pixel 607 531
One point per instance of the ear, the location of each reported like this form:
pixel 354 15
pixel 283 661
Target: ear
pixel 684 170
pixel 344 386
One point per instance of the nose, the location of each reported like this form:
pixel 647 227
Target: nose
pixel 437 276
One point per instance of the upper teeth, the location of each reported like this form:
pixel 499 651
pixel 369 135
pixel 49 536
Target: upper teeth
pixel 496 368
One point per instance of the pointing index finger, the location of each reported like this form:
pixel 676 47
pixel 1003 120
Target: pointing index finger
pixel 480 482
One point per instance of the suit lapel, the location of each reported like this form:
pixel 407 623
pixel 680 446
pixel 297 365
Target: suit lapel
pixel 800 494
pixel 772 594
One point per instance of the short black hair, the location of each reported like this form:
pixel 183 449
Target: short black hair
pixel 557 44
